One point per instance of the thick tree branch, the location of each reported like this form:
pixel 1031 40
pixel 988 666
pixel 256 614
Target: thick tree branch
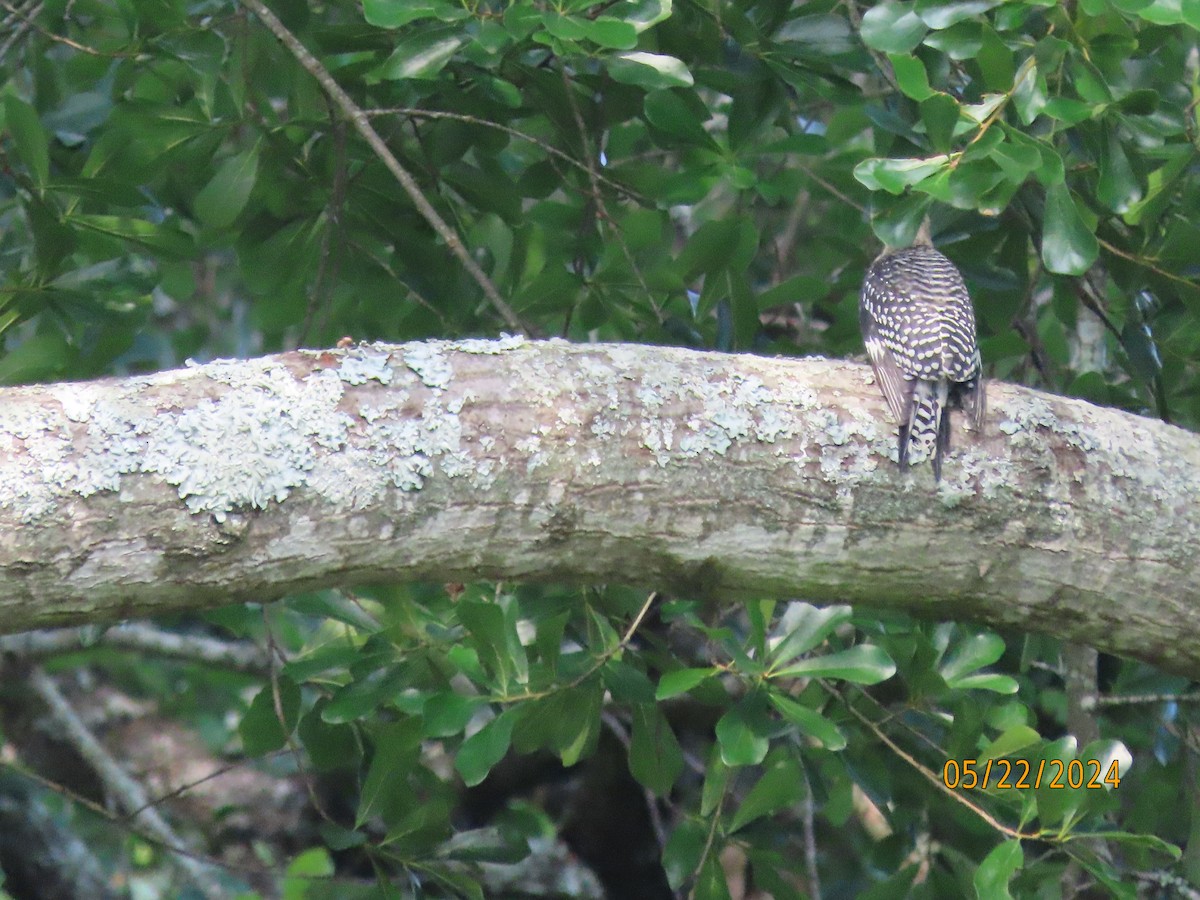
pixel 697 473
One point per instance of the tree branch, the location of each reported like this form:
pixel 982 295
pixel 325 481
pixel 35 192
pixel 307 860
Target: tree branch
pixel 700 474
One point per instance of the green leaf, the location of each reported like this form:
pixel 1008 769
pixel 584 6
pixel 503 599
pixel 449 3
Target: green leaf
pixel 483 845
pixel 911 76
pixel 821 35
pixel 423 54
pixel 862 664
pixel 385 790
pixel 1016 158
pixel 53 240
pixel 809 625
pixel 710 248
pixel 492 630
pixel 681 855
pixel 567 28
pixel 997 684
pixel 1029 95
pixel 803 144
pixel 365 694
pixel 1141 102
pixel 1010 741
pixel 335 605
pixel 1159 185
pixel 892 28
pixel 655 759
pixel 1144 841
pixel 1118 188
pixel 578 723
pixel 609 32
pixel 742 733
pixel 959 42
pixel 809 721
pixel 601 634
pixel 485 748
pixel 1069 111
pixel 716 782
pixel 261 729
pixel 394 13
pixel 165 238
pixel 997 869
pixel 995 62
pixel 329 746
pixel 710 882
pixel 781 785
pixel 1068 245
pixel 672 684
pixel 627 683
pixel 651 71
pixel 33 147
pixel 938 14
pixel 894 175
pixel 1163 12
pixel 975 652
pixel 940 115
pixel 642 14
pixel 222 200
pixel 1055 805
pixel 983 110
pixel 447 713
pixel 680 114
pixel 303 869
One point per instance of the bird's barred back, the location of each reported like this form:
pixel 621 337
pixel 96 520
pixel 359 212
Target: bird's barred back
pixel 922 314
pixel 918 325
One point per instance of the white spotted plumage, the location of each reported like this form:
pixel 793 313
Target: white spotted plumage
pixel 919 329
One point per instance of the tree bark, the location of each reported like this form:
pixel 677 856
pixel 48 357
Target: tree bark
pixel 701 474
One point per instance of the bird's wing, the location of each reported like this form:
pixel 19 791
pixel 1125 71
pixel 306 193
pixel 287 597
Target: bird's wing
pixel 977 400
pixel 897 389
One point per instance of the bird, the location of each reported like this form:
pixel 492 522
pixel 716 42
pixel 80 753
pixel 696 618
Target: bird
pixel 918 325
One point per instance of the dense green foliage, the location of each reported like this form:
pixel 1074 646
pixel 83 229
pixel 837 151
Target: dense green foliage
pixel 714 174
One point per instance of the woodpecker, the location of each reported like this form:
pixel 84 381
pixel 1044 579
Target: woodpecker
pixel 919 328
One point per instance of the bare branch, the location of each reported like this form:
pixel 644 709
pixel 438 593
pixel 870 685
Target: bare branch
pixel 237 656
pixel 128 792
pixel 701 474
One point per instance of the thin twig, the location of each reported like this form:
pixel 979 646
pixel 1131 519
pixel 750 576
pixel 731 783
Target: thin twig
pixel 1145 263
pixel 810 842
pixel 362 125
pixel 882 62
pixel 333 214
pixel 932 778
pixel 28 21
pixel 599 664
pixel 549 149
pixel 277 655
pixel 598 198
pixel 18 32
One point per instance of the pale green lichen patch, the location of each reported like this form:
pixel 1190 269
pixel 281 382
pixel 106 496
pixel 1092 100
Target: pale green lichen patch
pixel 727 407
pixel 252 445
pixel 264 434
pixel 430 364
pixel 35 441
pixel 367 364
pixel 487 346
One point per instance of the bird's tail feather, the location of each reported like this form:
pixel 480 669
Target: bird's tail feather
pixel 927 432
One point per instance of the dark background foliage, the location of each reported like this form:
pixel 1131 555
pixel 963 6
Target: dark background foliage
pixel 713 174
